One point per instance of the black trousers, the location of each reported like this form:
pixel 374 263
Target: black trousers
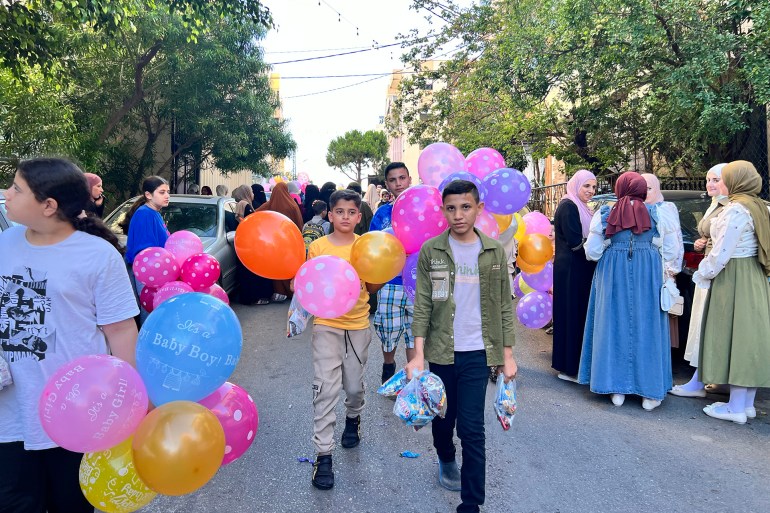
pixel 40 481
pixel 466 387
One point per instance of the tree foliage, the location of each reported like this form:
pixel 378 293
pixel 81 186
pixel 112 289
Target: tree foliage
pixel 353 152
pixel 602 84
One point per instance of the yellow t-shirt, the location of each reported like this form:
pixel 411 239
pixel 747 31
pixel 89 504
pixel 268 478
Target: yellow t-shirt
pixel 358 317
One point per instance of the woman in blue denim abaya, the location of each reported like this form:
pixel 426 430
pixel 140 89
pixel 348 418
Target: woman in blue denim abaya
pixel 626 343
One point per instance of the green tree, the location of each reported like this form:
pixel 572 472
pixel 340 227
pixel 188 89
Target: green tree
pixel 353 152
pixel 669 84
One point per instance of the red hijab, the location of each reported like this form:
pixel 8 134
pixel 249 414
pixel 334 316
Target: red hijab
pixel 629 212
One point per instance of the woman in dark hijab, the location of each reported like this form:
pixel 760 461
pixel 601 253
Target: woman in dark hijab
pixel 259 196
pixel 326 191
pixel 626 343
pixel 312 193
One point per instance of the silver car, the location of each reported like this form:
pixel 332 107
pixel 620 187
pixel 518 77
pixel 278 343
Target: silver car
pixel 5 223
pixel 211 218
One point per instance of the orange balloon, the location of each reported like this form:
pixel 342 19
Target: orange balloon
pixel 503 221
pixel 178 447
pixel 270 244
pixel 377 257
pixel 535 249
pixel 529 269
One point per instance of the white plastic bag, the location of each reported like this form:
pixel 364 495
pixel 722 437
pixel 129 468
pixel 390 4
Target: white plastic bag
pixel 298 320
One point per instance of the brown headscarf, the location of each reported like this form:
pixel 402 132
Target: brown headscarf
pixel 280 201
pixel 629 212
pixel 743 184
pixel 245 197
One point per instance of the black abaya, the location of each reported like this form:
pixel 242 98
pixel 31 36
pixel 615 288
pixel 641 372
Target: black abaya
pixel 252 287
pixel 572 275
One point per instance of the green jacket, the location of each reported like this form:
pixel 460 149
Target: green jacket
pixel 434 305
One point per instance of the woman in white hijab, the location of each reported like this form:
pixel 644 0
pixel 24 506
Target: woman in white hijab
pixel 372 197
pixel 715 189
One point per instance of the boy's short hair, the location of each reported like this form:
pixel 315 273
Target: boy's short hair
pixel 461 187
pixel 345 195
pixel 395 165
pixel 319 207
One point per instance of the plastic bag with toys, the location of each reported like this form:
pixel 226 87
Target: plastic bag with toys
pixel 394 385
pixel 420 400
pixel 505 401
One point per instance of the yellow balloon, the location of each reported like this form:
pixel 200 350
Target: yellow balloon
pixel 503 221
pixel 526 289
pixel 278 179
pixel 178 447
pixel 521 228
pixel 377 257
pixel 109 480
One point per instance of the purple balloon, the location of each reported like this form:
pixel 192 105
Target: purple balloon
pixel 464 175
pixel 516 289
pixel 409 275
pixel 535 309
pixel 508 191
pixel 542 281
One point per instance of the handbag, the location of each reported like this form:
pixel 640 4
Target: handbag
pixel 670 299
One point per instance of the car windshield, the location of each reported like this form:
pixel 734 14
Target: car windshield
pixel 199 218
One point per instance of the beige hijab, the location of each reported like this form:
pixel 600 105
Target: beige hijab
pixel 244 195
pixel 743 185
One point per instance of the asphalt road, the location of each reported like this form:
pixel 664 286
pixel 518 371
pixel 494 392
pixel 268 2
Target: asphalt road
pixel 568 451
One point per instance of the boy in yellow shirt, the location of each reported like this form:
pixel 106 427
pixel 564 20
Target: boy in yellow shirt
pixel 340 346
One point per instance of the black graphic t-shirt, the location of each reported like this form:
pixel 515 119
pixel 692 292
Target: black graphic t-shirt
pixel 52 301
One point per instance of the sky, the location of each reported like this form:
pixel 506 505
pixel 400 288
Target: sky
pixel 313 28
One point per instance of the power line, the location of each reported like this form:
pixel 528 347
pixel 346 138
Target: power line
pixel 316 50
pixel 336 88
pixel 352 75
pixel 333 55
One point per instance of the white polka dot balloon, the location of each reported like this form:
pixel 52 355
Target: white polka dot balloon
pixel 155 267
pixel 200 271
pixel 238 414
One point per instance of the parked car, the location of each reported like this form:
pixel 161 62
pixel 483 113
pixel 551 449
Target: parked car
pixel 5 223
pixel 691 206
pixel 211 218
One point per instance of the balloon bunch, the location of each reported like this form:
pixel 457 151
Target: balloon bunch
pixel 180 266
pixel 187 348
pixel 535 308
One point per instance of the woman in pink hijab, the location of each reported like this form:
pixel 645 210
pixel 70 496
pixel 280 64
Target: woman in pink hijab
pixel 96 205
pixel 572 273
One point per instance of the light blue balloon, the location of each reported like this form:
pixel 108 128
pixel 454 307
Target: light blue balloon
pixel 188 347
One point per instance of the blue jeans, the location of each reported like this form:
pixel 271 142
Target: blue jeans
pixel 466 388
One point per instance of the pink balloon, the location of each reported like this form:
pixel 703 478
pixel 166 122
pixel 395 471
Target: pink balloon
pixel 487 224
pixel 219 293
pixel 437 161
pixel 155 266
pixel 183 245
pixel 327 286
pixel 483 161
pixel 537 223
pixel 92 403
pixel 169 290
pixel 200 271
pixel 303 178
pixel 237 413
pixel 146 297
pixel 417 216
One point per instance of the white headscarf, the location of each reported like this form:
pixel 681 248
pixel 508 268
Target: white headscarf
pixel 719 198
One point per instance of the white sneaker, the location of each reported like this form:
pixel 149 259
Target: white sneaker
pixel 751 412
pixel 618 399
pixel 565 377
pixel 650 404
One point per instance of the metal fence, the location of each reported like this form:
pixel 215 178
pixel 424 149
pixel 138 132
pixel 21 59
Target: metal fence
pixel 546 199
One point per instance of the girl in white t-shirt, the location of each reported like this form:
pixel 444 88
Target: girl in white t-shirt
pixel 64 293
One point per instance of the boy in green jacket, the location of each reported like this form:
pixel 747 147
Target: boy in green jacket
pixel 463 324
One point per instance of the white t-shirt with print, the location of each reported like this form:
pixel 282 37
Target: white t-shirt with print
pixel 52 300
pixel 467 295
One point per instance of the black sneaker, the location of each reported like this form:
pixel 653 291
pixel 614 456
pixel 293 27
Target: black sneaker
pixel 323 475
pixel 352 434
pixel 388 370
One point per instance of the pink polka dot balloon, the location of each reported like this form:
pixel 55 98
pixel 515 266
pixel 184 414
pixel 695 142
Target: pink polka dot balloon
pixel 169 290
pixel 483 161
pixel 239 417
pixel 146 297
pixel 437 161
pixel 155 266
pixel 200 271
pixel 219 293
pixel 417 216
pixel 487 224
pixel 327 286
pixel 183 244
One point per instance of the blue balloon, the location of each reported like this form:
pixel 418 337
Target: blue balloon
pixel 464 175
pixel 188 347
